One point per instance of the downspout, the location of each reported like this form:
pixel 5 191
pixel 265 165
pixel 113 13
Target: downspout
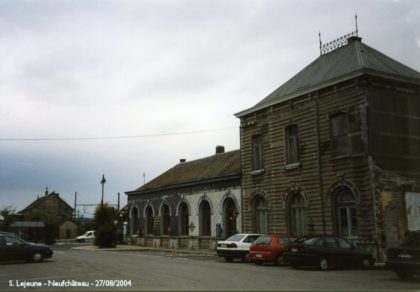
pixel 241 180
pixel 321 183
pixel 371 165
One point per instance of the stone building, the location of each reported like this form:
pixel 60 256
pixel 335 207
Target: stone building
pixel 49 210
pixel 336 149
pixel 191 205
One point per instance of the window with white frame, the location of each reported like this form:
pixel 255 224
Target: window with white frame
pixel 346 213
pixel 297 215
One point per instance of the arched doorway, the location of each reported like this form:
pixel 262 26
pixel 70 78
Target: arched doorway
pixel 229 215
pixel 166 220
pixel 149 220
pixel 183 213
pixel 134 221
pixel 205 218
pixel 260 215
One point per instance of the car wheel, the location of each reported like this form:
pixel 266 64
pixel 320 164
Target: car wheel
pixel 246 258
pixel 37 257
pixel 323 264
pixel 259 263
pixel 295 266
pixel 366 263
pixel 404 275
pixel 280 260
pixel 229 259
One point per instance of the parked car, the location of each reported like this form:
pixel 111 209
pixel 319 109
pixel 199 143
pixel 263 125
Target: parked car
pixel 13 248
pixel 88 236
pixel 324 251
pixel 236 246
pixel 405 259
pixel 269 248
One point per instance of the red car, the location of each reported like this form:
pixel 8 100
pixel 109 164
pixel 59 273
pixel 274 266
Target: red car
pixel 269 248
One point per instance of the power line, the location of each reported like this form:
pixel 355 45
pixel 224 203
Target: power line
pixel 118 137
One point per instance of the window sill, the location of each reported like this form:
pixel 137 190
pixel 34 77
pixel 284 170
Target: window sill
pixel 292 166
pixel 341 156
pixel 257 172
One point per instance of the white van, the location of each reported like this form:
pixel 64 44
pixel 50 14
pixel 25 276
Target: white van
pixel 88 236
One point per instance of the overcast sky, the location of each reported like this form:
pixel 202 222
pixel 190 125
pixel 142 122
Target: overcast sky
pixel 172 73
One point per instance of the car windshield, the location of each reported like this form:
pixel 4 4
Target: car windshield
pixel 307 240
pixel 236 237
pixel 263 240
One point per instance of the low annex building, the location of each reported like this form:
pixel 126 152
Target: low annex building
pixel 191 205
pixel 336 150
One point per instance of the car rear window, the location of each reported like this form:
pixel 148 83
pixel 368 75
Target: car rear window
pixel 236 237
pixel 263 240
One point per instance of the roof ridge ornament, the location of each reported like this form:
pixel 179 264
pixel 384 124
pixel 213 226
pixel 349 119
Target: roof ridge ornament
pixel 337 43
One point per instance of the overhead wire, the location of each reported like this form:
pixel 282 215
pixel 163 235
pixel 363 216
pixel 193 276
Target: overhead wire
pixel 118 137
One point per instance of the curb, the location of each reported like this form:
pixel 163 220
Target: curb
pixel 129 248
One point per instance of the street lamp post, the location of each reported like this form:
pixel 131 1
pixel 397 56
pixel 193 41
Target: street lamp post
pixel 103 181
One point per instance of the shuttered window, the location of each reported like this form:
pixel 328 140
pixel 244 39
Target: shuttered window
pixel 339 134
pixel 292 144
pixel 257 152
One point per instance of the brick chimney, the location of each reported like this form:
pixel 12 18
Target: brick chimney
pixel 220 149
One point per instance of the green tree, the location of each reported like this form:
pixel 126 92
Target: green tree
pixel 106 229
pixel 8 214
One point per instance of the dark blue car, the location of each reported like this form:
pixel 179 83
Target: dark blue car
pixel 13 248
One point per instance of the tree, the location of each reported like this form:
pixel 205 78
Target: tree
pixel 106 229
pixel 8 214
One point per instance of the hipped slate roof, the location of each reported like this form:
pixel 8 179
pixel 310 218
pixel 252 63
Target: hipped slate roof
pixel 347 62
pixel 218 167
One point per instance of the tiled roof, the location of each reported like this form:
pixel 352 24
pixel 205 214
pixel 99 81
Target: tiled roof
pixel 344 63
pixel 215 167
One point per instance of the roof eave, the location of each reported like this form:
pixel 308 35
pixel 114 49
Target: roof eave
pixel 186 184
pixel 295 94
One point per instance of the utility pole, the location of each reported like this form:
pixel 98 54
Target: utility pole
pixel 103 181
pixel 75 206
pixel 118 206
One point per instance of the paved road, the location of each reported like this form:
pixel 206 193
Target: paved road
pixel 163 271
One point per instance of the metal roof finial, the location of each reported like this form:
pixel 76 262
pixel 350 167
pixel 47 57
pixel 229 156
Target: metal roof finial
pixel 320 43
pixel 357 31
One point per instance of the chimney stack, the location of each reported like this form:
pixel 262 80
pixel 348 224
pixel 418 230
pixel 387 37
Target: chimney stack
pixel 220 149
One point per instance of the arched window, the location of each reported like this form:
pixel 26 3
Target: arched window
pixel 166 220
pixel 134 221
pixel 346 212
pixel 205 218
pixel 260 215
pixel 183 214
pixel 229 215
pixel 297 215
pixel 149 220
